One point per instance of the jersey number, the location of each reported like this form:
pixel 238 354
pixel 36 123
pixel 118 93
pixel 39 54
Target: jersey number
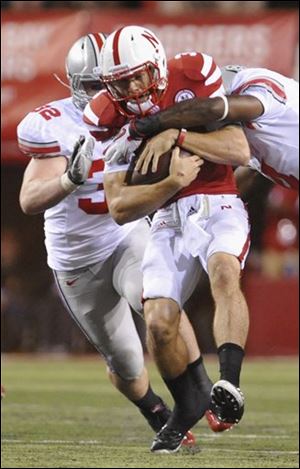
pixel 47 112
pixel 87 205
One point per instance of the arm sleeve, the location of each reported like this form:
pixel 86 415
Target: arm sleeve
pixel 268 91
pixel 35 138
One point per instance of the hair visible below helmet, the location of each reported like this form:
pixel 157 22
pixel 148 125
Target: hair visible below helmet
pixel 82 59
pixel 130 51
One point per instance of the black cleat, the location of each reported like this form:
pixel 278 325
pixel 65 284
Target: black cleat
pixel 227 402
pixel 167 440
pixel 158 416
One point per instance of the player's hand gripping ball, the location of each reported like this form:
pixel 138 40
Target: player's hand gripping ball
pixel 136 178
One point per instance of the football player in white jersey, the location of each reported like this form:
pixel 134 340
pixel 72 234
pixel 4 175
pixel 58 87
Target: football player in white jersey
pixel 264 101
pixel 96 263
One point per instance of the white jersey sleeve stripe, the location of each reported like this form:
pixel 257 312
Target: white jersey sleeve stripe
pixel 39 153
pixel 39 149
pixel 275 88
pixel 31 144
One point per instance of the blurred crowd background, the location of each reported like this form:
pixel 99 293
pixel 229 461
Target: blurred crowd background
pixel 32 316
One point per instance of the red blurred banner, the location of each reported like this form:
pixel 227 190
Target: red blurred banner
pixel 34 46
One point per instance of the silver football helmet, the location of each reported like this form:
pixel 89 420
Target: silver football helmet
pixel 228 74
pixel 82 59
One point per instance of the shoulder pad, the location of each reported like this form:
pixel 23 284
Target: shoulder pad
pixel 102 112
pixel 194 65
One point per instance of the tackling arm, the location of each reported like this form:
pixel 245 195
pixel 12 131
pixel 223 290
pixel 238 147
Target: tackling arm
pixel 196 112
pixel 227 145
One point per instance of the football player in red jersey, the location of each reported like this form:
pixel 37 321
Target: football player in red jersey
pixel 202 219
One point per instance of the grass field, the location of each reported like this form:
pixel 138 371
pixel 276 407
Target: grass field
pixel 64 413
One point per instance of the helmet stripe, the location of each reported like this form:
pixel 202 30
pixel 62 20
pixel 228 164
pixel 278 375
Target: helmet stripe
pixel 99 37
pixel 116 54
pixel 97 44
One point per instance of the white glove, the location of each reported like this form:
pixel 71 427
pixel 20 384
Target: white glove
pixel 79 164
pixel 122 147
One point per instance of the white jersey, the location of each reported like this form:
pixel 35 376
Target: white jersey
pixel 79 231
pixel 274 136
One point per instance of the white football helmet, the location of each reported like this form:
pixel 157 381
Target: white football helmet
pixel 81 60
pixel 127 53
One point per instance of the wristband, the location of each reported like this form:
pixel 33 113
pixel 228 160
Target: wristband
pixel 67 185
pixel 226 107
pixel 180 137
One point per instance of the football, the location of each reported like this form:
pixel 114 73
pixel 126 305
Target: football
pixel 135 178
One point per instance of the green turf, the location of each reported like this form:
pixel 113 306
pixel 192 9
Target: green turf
pixel 65 413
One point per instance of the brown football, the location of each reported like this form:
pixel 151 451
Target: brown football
pixel 135 178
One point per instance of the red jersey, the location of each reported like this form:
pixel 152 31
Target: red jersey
pixel 190 75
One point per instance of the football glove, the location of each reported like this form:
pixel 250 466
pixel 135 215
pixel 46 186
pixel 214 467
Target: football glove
pixel 122 147
pixel 79 164
pixel 145 127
